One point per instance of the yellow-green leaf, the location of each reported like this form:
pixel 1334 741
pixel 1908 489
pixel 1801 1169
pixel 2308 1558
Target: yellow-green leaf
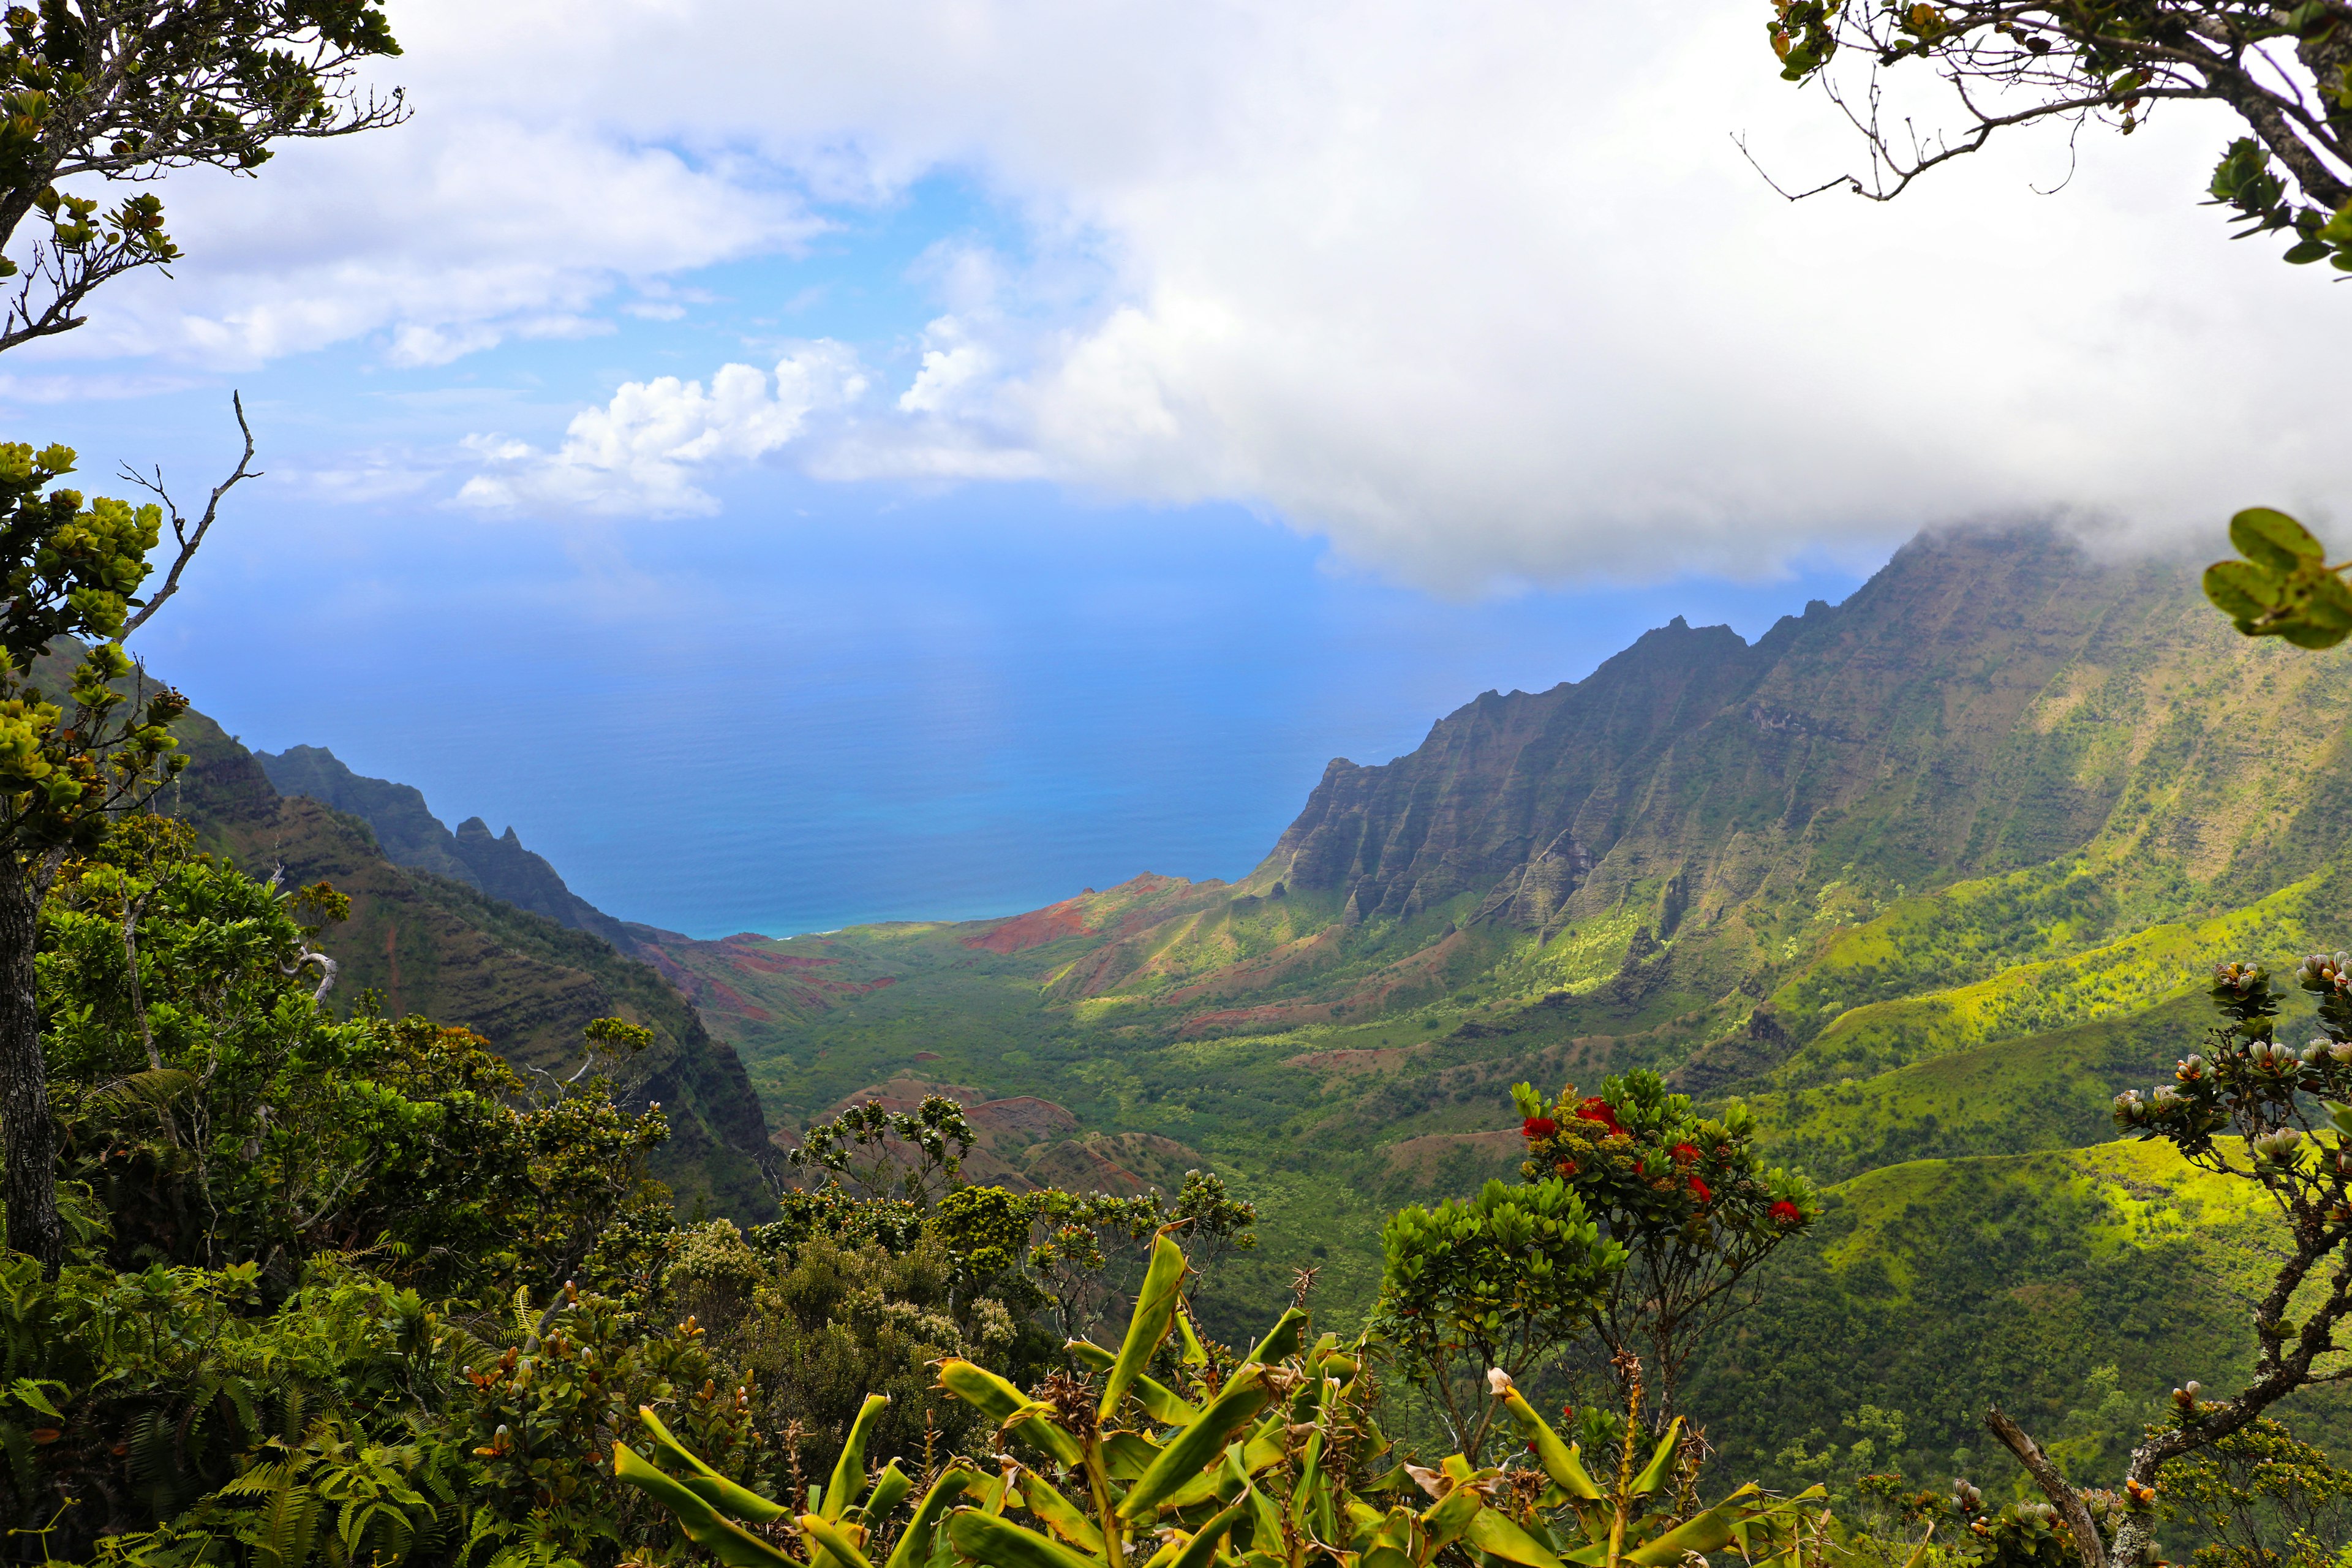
pixel 1000 1543
pixel 1200 1441
pixel 1155 1312
pixel 722 1538
pixel 1654 1474
pixel 1495 1534
pixel 735 1501
pixel 848 1482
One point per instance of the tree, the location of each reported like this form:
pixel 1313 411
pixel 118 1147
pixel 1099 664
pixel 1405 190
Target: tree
pixel 1497 1283
pixel 2247 1107
pixel 1686 1197
pixel 2284 69
pixel 912 1156
pixel 119 91
pixel 72 570
pixel 127 89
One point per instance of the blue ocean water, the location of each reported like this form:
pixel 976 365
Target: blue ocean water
pixel 839 704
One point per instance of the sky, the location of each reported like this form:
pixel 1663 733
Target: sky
pixel 802 463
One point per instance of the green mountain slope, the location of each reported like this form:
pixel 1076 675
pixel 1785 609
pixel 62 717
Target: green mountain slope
pixel 1937 1287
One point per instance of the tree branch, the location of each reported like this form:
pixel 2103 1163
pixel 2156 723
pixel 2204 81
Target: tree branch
pixel 2053 1484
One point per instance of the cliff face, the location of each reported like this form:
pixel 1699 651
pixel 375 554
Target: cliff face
pixel 1691 751
pixel 454 952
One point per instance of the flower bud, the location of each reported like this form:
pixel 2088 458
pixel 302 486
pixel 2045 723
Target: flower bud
pixel 1498 1381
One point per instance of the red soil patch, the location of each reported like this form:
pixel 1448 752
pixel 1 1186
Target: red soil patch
pixel 1034 929
pixel 1022 1116
pixel 734 999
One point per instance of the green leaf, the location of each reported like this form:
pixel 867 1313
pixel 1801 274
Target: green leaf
pixel 1001 1544
pixel 722 1538
pixel 914 1547
pixel 28 1389
pixel 1561 1460
pixel 890 1488
pixel 2330 605
pixel 1019 1415
pixel 2304 634
pixel 1201 1549
pixel 835 1540
pixel 1495 1534
pixel 737 1502
pixel 1449 1519
pixel 1126 1455
pixel 1155 1313
pixel 1060 1514
pixel 848 1482
pixel 1706 1534
pixel 2244 591
pixel 1282 1340
pixel 2309 251
pixel 2270 538
pixel 1654 1474
pixel 1191 1450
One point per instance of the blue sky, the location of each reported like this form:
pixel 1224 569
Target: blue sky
pixel 801 463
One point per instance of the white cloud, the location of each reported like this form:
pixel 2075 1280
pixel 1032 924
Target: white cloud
pixel 482 219
pixel 639 454
pixel 1480 290
pixel 951 361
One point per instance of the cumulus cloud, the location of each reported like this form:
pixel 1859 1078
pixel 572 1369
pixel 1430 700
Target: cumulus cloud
pixel 488 217
pixel 639 454
pixel 1480 290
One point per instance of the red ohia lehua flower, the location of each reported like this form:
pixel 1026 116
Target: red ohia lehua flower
pixel 1538 1127
pixel 1786 1213
pixel 1599 1109
pixel 1700 1188
pixel 1684 1153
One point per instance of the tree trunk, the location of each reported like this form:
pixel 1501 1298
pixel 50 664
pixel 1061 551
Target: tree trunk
pixel 30 1134
pixel 2055 1487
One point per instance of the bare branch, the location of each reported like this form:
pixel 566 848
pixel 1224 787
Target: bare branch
pixel 189 540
